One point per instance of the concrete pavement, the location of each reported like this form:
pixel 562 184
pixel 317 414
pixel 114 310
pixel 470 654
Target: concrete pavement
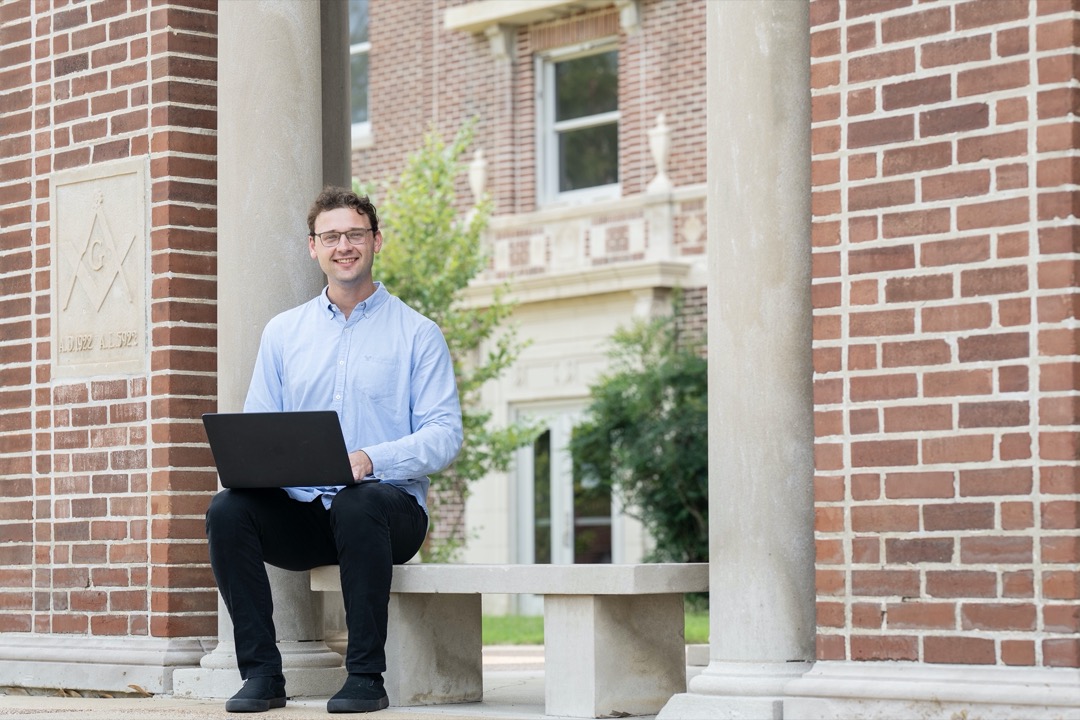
pixel 513 690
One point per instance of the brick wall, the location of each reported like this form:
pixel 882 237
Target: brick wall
pixel 450 76
pixel 944 265
pixel 105 480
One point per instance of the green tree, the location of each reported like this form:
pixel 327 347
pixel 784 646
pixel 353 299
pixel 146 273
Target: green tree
pixel 430 253
pixel 645 435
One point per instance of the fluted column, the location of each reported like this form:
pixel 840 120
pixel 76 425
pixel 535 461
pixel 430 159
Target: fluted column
pixel 761 420
pixel 270 167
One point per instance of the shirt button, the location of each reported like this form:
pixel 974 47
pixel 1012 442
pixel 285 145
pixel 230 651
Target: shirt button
pixel 337 397
pixel 340 362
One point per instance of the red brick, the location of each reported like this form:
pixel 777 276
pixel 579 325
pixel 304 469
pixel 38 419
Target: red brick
pixel 1059 446
pixel 985 482
pixel 828 488
pixel 952 318
pixel 912 93
pixel 863 421
pixel 913 418
pixel 1061 515
pixel 956 52
pixel 959 650
pixel 1057 274
pixel 867 615
pixel 955 119
pixel 1002 413
pixel 881 65
pixel 1061 549
pixel 1058 341
pixel 955 251
pixel 970 183
pixel 919 288
pixel 992 78
pixel 958 516
pixel 937 21
pixel 996 214
pixel 1018 652
pixel 883 518
pixel 999 346
pixel 881 259
pixel 915 353
pixel 961 583
pixel 1012 143
pixel 917 551
pixel 884 453
pixel 865 486
pixel 829 520
pixel 916 222
pixel 1061 652
pixel 882 583
pixel 1061 585
pixel 958 449
pixel 996 550
pixel 882 195
pixel 880 323
pixel 884 647
pixel 1061 618
pixel 883 387
pixel 920 616
pixel 866 550
pixel 901 161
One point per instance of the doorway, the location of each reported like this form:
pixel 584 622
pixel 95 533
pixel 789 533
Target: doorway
pixel 561 519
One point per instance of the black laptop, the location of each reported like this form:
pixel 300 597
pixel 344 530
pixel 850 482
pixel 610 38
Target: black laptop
pixel 278 449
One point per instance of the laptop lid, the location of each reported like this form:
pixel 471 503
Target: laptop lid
pixel 278 449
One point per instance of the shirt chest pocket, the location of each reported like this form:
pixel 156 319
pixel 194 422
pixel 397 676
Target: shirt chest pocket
pixel 377 378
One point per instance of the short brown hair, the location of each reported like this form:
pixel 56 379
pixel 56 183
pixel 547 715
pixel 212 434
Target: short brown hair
pixel 332 198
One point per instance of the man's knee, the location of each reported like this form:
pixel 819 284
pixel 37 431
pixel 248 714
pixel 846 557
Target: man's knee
pixel 225 507
pixel 365 499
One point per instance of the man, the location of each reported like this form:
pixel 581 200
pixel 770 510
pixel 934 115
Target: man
pixel 387 372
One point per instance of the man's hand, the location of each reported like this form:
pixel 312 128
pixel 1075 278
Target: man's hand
pixel 361 465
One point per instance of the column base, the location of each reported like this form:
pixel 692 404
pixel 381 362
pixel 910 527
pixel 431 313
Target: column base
pixel 311 669
pixel 120 664
pixel 887 690
pixel 735 691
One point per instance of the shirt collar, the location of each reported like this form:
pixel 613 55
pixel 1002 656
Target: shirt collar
pixel 366 308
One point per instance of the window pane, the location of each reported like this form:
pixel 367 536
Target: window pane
pixel 589 157
pixel 592 521
pixel 587 86
pixel 542 498
pixel 358 76
pixel 358 21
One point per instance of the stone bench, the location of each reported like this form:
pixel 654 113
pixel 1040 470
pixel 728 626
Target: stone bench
pixel 613 634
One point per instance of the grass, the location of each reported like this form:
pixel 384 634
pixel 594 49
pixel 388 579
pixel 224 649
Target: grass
pixel 529 629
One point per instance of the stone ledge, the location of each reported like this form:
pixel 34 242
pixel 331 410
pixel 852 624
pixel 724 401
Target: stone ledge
pixel 118 664
pixel 643 579
pixel 881 690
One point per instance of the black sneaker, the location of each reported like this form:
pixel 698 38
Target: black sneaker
pixel 259 694
pixel 360 693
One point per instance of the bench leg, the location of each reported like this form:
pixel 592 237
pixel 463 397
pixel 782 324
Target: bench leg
pixel 609 655
pixel 433 649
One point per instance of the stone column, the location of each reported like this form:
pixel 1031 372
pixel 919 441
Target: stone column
pixel 270 167
pixel 761 413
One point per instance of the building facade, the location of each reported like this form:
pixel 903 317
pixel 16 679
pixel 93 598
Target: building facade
pixel 880 197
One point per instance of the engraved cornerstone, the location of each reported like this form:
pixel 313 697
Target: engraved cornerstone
pixel 99 270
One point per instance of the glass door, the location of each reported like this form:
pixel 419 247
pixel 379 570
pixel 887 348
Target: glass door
pixel 561 519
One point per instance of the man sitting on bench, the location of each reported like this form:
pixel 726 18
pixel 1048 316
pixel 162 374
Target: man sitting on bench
pixel 387 372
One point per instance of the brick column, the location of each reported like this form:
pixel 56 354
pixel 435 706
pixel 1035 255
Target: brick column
pixel 761 421
pixel 270 167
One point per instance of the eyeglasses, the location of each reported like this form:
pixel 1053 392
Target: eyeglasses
pixel 355 236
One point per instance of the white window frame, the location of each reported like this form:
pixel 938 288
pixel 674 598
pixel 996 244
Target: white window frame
pixel 547 129
pixel 361 132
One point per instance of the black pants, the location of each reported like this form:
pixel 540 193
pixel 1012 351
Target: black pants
pixel 367 530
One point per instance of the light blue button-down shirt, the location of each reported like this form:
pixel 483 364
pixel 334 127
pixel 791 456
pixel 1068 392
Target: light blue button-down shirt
pixel 386 371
